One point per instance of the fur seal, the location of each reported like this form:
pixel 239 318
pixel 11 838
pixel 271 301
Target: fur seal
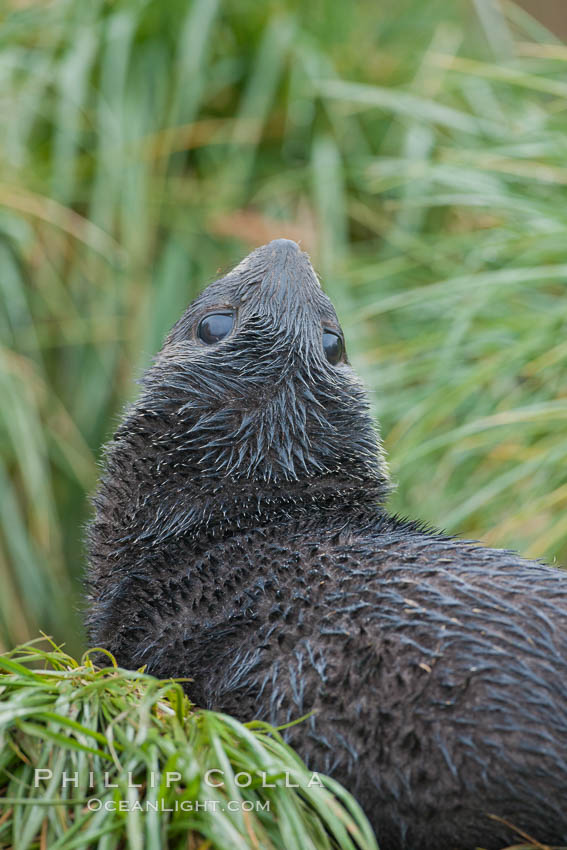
pixel 240 538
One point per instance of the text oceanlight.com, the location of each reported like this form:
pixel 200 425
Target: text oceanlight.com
pixel 95 804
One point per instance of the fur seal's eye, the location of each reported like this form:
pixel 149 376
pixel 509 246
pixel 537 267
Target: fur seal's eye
pixel 214 327
pixel 333 347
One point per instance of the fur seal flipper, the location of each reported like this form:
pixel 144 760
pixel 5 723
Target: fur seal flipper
pixel 240 539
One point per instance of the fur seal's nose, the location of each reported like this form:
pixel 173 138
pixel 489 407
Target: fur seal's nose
pixel 279 280
pixel 284 246
pixel 289 280
pixel 287 266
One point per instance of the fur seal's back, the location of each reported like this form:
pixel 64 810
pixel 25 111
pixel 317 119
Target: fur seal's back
pixel 240 539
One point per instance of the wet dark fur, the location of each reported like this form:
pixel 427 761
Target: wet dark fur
pixel 240 539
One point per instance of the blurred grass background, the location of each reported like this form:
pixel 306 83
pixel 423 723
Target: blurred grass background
pixel 418 149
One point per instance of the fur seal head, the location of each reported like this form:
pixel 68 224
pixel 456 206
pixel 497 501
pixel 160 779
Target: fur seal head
pixel 250 410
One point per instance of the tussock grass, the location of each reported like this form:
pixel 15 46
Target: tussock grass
pixel 418 151
pixel 106 738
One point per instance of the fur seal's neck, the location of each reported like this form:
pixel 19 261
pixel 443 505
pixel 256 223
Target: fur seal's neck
pixel 247 430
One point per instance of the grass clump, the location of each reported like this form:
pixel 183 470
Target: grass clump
pixel 108 758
